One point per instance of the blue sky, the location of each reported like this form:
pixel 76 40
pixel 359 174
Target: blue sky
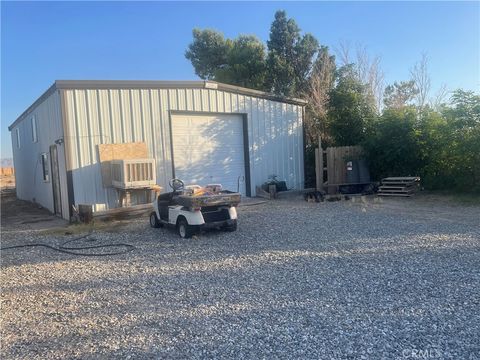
pixel 43 42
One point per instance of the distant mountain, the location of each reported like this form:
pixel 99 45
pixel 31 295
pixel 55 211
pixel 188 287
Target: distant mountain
pixel 8 162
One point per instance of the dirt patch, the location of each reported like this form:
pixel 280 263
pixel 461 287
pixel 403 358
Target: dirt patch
pixel 19 214
pixel 23 215
pixel 7 182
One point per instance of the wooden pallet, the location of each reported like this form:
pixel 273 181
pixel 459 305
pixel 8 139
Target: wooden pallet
pixel 394 194
pixel 397 189
pixel 399 186
pixel 402 179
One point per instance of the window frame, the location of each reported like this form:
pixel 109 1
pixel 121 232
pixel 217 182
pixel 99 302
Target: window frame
pixel 33 123
pixel 17 133
pixel 45 167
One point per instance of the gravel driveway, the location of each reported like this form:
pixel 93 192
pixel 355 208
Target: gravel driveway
pixel 390 280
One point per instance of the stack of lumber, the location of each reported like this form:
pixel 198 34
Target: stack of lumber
pixel 399 186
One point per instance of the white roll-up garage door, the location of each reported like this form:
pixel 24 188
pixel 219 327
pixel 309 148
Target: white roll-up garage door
pixel 209 149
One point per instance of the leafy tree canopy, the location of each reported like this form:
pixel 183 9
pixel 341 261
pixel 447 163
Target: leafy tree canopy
pixel 392 144
pixel 400 94
pixel 290 56
pixel 207 52
pixel 245 65
pixel 466 109
pixel 319 86
pixel 240 61
pixel 350 108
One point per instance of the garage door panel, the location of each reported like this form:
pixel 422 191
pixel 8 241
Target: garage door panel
pixel 209 149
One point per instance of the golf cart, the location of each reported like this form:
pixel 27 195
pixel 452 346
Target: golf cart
pixel 194 208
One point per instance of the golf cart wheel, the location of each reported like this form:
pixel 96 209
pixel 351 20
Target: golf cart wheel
pixel 154 222
pixel 232 227
pixel 184 230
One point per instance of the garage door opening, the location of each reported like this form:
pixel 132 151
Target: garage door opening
pixel 210 149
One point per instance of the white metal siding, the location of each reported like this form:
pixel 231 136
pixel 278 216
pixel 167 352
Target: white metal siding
pixel 100 116
pixel 209 149
pixel 27 159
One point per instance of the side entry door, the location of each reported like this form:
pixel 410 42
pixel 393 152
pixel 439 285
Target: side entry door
pixel 57 200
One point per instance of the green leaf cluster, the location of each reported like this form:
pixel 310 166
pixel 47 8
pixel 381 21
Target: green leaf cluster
pixel 443 147
pixel 240 61
pixel 290 57
pixel 245 61
pixel 350 109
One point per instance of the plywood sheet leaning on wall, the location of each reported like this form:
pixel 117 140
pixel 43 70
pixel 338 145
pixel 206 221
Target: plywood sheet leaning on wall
pixel 124 151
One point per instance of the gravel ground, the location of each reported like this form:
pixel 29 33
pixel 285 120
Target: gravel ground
pixel 390 280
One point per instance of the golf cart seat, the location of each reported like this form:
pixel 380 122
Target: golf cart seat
pixel 167 199
pixel 164 201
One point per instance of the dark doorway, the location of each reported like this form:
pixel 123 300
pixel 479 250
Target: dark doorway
pixel 57 199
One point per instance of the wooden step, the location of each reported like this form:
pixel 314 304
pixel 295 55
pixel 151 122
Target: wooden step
pixel 409 189
pixel 396 192
pixel 387 194
pixel 397 189
pixel 402 179
pixel 398 182
pixel 387 187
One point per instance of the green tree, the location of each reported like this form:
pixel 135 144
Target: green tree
pixel 433 141
pixel 245 65
pixel 400 94
pixel 465 112
pixel 238 62
pixel 290 57
pixel 350 109
pixel 320 84
pixel 441 147
pixel 207 53
pixel 392 146
pixel 463 133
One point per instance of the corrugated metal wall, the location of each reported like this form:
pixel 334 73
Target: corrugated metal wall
pixel 27 159
pixel 101 116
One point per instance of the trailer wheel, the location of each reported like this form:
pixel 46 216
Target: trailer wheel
pixel 232 227
pixel 184 230
pixel 154 222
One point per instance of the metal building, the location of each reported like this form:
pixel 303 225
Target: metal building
pixel 199 131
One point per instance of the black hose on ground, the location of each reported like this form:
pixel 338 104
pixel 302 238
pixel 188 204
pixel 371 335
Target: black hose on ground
pixel 73 250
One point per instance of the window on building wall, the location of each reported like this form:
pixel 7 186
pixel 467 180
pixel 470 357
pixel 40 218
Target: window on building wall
pixel 34 129
pixel 17 133
pixel 46 174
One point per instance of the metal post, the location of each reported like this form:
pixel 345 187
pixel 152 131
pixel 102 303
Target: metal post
pixel 319 165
